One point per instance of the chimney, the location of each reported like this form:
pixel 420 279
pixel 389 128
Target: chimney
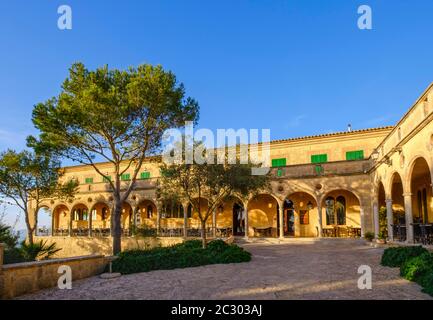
pixel 349 127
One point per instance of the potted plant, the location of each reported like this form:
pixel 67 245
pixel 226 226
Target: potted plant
pixel 381 238
pixel 369 236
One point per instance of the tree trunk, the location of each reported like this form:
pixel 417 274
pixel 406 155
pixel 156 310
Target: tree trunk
pixel 203 234
pixel 30 230
pixel 117 230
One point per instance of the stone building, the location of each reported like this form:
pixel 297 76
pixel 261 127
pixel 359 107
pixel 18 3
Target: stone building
pixel 326 185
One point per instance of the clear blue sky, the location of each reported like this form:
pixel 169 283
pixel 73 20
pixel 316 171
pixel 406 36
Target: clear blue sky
pixel 296 67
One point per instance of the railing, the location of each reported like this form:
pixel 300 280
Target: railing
pixel 399 232
pixel 323 169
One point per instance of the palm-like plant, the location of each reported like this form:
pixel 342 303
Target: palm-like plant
pixel 38 250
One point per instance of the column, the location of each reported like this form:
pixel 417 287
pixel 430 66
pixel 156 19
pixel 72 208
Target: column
pixel 52 223
pixel 361 211
pixel 71 215
pixel 158 217
pixel 376 219
pixel 185 220
pixel 90 222
pixel 408 216
pixel 319 218
pixel 389 219
pixel 280 216
pixel 246 220
pixel 214 217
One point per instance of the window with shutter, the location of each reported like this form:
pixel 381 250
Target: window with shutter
pixel 145 175
pixel 319 158
pixel 280 162
pixel 355 155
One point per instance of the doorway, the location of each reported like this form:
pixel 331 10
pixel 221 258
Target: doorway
pixel 289 218
pixel 238 220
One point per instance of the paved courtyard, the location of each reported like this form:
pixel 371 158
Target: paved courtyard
pixel 297 270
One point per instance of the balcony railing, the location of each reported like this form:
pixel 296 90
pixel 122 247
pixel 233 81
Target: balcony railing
pixel 322 169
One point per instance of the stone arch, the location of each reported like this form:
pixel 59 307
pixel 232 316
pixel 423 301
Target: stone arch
pixel 146 213
pixel 262 212
pixel 61 218
pixel 342 207
pixel 419 186
pixel 300 217
pixel 410 169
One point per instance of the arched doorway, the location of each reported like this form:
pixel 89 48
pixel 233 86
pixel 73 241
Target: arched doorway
pixel 238 219
pixel 44 227
pixel 263 216
pixel 80 220
pixel 421 190
pixel 341 214
pixel 146 214
pixel 398 213
pixel 61 217
pixel 101 219
pixel 126 219
pixel 298 219
pixel 172 218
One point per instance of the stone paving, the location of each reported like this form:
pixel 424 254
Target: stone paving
pixel 297 270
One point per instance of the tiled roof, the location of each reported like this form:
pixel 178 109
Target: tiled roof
pixel 333 134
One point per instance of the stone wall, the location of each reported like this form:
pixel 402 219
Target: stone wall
pixel 21 278
pixel 81 246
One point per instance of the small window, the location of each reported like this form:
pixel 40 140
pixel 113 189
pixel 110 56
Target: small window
pixel 145 175
pixel 88 180
pixel 319 158
pixel 281 162
pixel 106 179
pixel 304 217
pixel 125 177
pixel 355 155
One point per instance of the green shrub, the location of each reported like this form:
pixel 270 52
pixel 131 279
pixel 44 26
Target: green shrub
pixel 13 255
pixel 416 267
pixel 396 256
pixel 369 236
pixel 426 281
pixel 183 255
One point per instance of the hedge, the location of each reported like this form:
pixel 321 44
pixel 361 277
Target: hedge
pixel 187 254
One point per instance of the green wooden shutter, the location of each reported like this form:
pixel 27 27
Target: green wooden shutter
pixel 145 175
pixel 319 158
pixel 106 179
pixel 89 180
pixel 125 177
pixel 355 155
pixel 280 162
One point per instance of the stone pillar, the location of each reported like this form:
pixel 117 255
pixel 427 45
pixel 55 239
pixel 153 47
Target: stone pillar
pixel 361 211
pixel 90 222
pixel 185 220
pixel 376 219
pixel 214 219
pixel 158 218
pixel 71 218
pixel 408 216
pixel 389 219
pixel 52 223
pixel 319 219
pixel 281 217
pixel 246 220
